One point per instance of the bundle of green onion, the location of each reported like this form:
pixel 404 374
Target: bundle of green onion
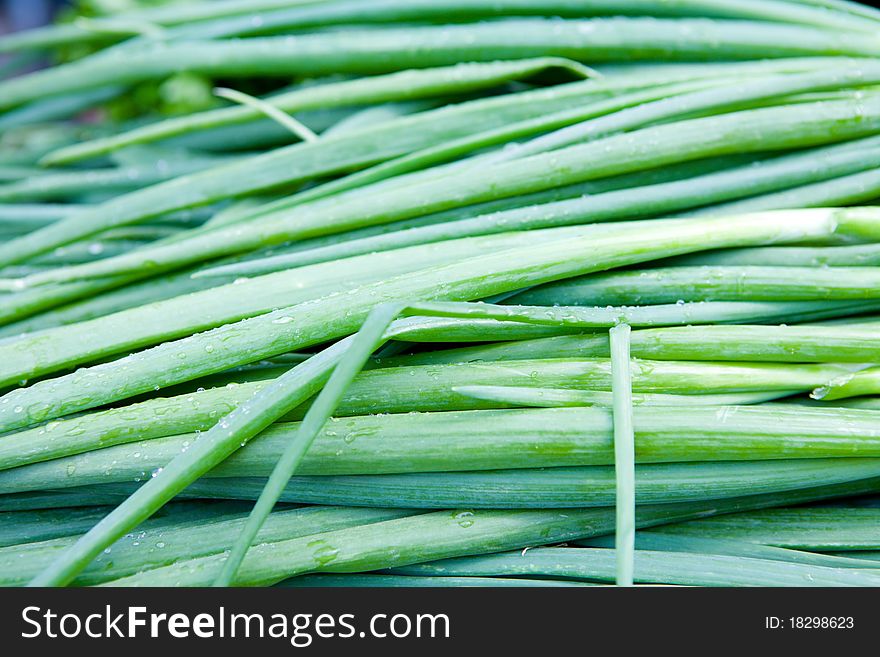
pixel 436 281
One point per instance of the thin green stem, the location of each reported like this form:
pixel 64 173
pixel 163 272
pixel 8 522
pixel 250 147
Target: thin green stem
pixel 624 453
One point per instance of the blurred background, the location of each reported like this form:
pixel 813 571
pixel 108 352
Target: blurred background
pixel 23 14
pixel 176 94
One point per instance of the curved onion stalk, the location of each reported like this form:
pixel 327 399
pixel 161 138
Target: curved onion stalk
pixel 151 546
pixel 815 529
pixel 419 166
pixel 456 441
pixel 416 165
pixel 590 205
pixel 404 85
pixel 403 389
pixel 839 343
pixel 304 161
pixel 624 453
pixel 684 568
pixel 682 99
pixel 738 132
pixel 384 50
pixel 297 128
pixel 289 329
pixel 562 398
pixel 709 283
pixel 448 534
pixel 655 541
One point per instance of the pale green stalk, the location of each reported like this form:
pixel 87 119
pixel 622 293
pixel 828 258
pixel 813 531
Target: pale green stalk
pixel 560 397
pixel 624 453
pixel 656 541
pixel 280 117
pixel 682 568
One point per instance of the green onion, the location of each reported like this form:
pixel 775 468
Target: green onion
pixel 775 127
pixel 410 582
pixel 533 438
pixel 683 568
pixel 436 296
pixel 624 453
pixel 395 86
pixel 441 535
pixel 166 544
pixel 809 528
pixel 383 50
pixel 652 540
pixel 223 438
pixel 305 324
